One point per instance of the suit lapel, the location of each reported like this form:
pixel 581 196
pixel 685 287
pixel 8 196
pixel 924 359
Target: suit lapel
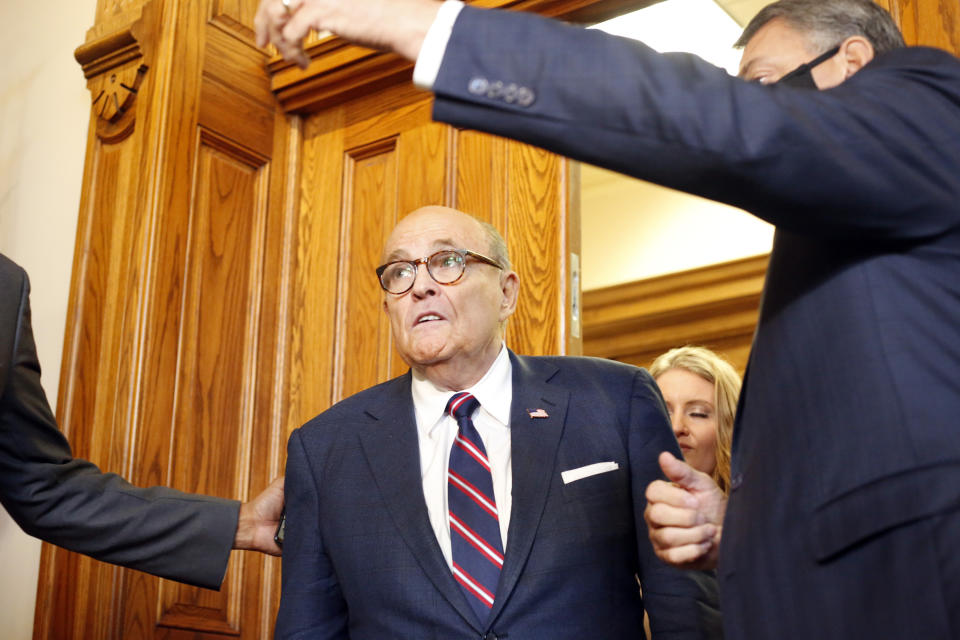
pixel 392 449
pixel 534 443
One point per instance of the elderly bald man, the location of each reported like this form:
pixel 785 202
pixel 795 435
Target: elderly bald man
pixel 483 494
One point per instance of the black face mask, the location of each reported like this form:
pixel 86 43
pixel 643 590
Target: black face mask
pixel 801 77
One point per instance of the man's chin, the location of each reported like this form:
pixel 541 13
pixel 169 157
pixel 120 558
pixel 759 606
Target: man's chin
pixel 426 355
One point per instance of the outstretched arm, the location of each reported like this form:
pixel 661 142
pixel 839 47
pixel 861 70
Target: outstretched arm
pixel 71 503
pixel 675 120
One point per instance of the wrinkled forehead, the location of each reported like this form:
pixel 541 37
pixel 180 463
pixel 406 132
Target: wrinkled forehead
pixel 426 231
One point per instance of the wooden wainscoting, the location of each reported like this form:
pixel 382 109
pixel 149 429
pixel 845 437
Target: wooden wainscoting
pixel 714 306
pixel 223 293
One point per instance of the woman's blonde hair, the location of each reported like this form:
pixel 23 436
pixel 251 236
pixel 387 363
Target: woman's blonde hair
pixel 726 387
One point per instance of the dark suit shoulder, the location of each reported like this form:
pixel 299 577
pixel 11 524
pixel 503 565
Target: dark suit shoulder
pixel 916 57
pixel 919 66
pixel 609 381
pixel 354 408
pixel 573 367
pixel 13 280
pixel 329 439
pixel 10 269
pixel 13 287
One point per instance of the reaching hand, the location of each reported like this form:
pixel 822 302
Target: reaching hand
pixel 259 520
pixel 390 25
pixel 685 516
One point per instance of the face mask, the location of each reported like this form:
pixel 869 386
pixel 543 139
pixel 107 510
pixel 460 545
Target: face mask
pixel 801 77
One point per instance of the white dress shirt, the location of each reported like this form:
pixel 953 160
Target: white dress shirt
pixel 435 44
pixel 436 432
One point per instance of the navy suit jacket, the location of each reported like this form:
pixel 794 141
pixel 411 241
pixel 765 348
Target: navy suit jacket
pixel 848 423
pixel 68 501
pixel 361 560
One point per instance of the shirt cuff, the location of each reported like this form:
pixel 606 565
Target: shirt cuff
pixel 435 45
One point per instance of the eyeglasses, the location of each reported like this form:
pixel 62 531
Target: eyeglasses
pixel 445 267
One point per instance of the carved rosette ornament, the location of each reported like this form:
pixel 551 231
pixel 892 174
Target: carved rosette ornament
pixel 114 66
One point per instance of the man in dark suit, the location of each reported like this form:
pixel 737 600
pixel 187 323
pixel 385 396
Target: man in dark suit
pixel 70 503
pixel 845 502
pixel 524 521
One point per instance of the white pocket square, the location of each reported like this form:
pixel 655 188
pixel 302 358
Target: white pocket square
pixel 572 475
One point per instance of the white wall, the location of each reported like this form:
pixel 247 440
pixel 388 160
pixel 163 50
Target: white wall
pixel 632 230
pixel 44 109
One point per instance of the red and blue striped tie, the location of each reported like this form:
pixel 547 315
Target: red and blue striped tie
pixel 474 520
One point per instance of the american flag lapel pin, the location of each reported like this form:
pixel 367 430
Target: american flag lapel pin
pixel 538 413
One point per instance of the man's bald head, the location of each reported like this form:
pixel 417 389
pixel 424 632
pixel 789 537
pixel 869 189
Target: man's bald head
pixel 454 293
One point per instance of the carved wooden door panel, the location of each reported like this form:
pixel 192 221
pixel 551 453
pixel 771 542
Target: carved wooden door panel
pixel 223 288
pixel 171 347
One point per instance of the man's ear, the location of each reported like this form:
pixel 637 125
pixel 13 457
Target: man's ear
pixel 510 290
pixel 855 53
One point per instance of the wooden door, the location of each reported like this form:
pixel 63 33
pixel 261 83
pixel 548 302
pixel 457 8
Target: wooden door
pixel 932 23
pixel 171 353
pixel 223 290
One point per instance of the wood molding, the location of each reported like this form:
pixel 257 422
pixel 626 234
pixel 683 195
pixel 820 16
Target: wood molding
pixel 713 304
pixel 103 54
pixel 340 71
pixel 114 15
pixel 933 23
pixel 115 66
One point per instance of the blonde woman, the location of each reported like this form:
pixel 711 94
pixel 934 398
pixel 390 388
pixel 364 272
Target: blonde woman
pixel 701 390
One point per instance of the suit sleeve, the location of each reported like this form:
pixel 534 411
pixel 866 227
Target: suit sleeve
pixel 681 604
pixel 885 142
pixel 69 502
pixel 311 603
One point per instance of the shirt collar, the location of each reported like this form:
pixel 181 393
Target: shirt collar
pixel 494 391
